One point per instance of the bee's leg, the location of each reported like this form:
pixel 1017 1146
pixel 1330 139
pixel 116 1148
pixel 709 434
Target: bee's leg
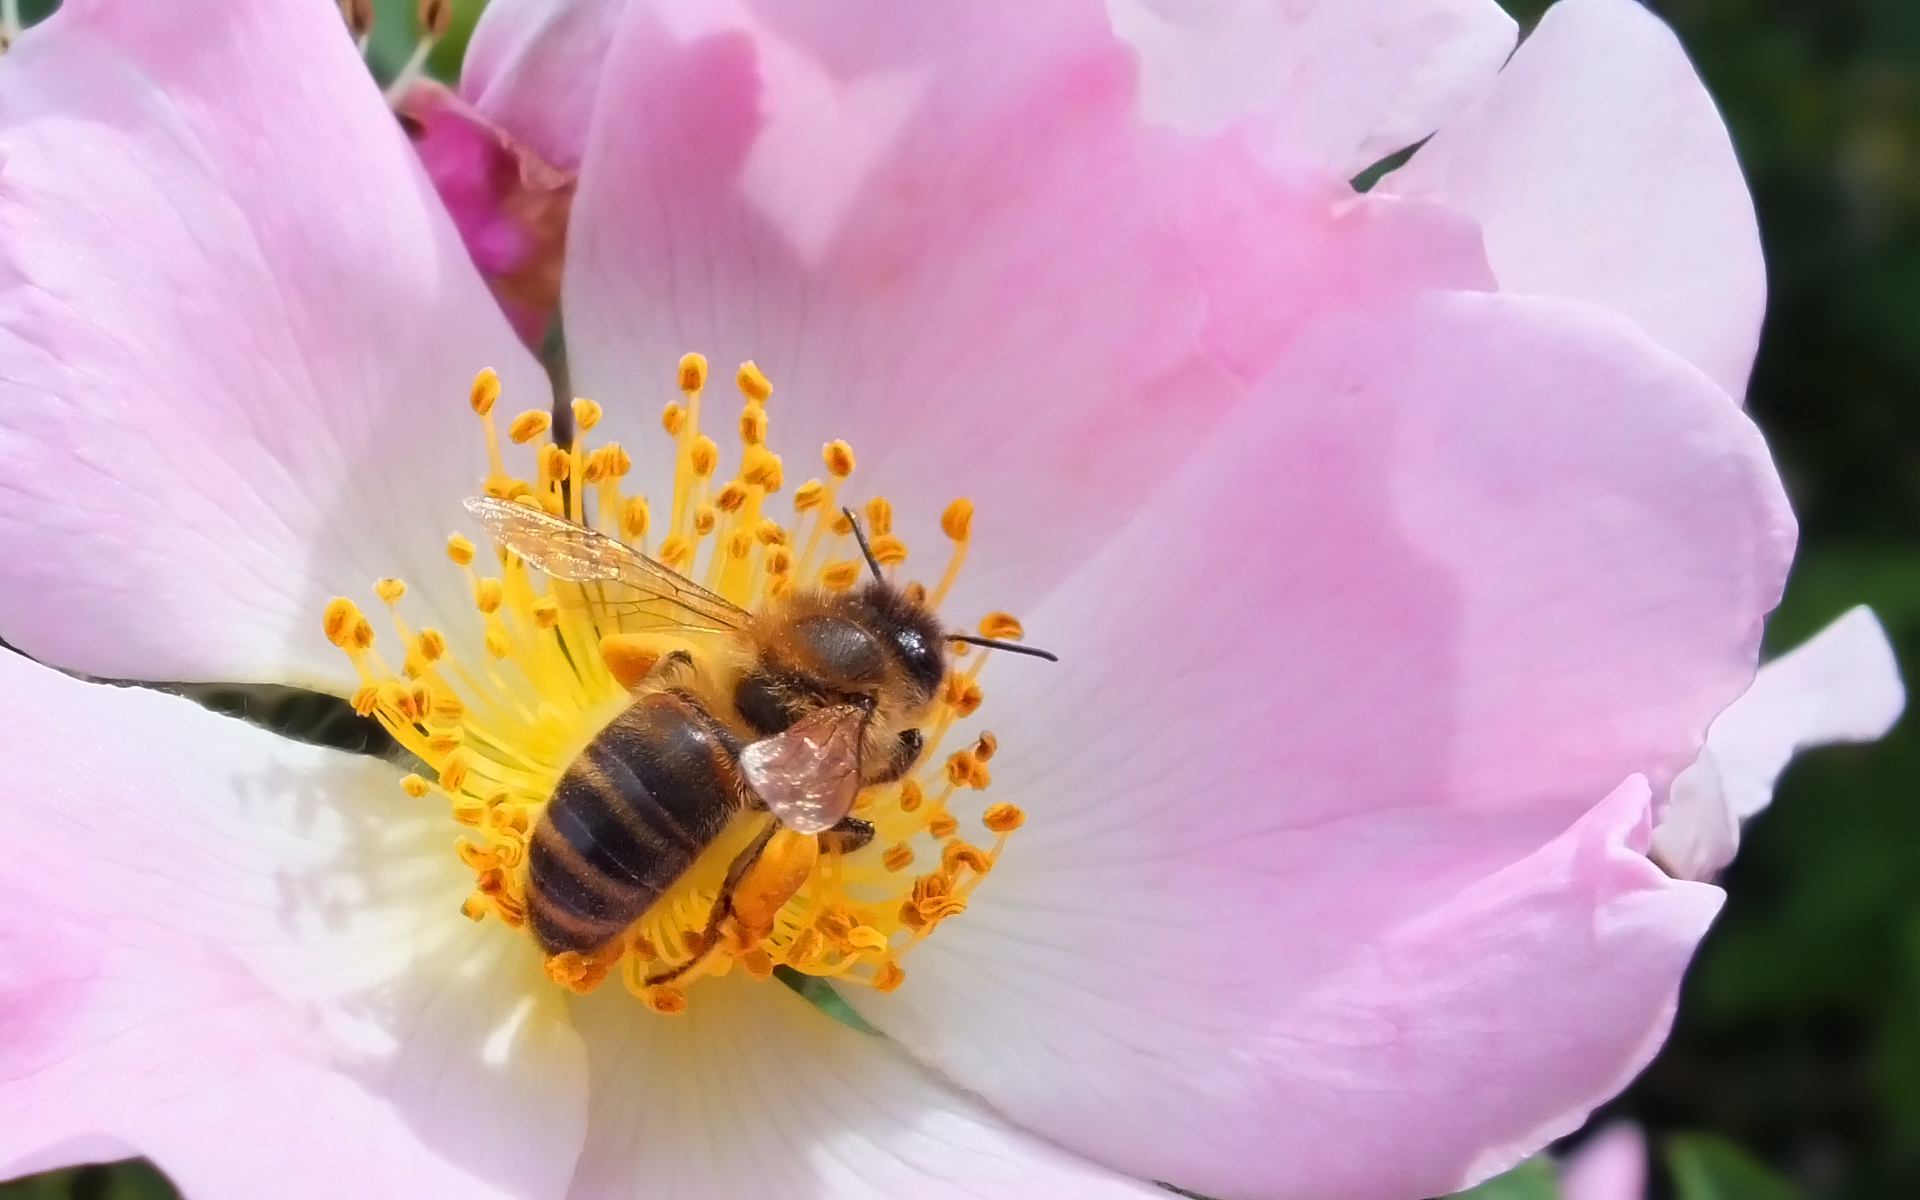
pixel 905 752
pixel 710 937
pixel 849 835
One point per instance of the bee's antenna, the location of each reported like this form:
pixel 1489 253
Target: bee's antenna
pixel 864 548
pixel 996 644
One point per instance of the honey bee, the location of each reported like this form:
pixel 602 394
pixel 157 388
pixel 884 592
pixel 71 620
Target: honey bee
pixel 814 697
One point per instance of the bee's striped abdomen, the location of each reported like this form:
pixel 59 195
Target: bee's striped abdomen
pixel 627 819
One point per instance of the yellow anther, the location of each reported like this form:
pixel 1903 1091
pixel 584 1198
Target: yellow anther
pixel 740 544
pixel 614 461
pixel 761 467
pixel 446 741
pixel 957 520
pixel 806 944
pixel 888 549
pixel 866 937
pixel 460 550
pixel 888 977
pixel 1000 627
pixel 809 495
pixel 956 854
pixel 469 812
pixel 753 425
pixel 840 575
pixel 704 456
pixel 879 517
pixel 984 748
pixel 365 700
pixel 498 644
pixel 676 552
pixel 1003 817
pixel 529 425
pixel 673 418
pixel 486 389
pixel 942 825
pixel 633 518
pixel 362 634
pixel 840 525
pixel 414 786
pixel 693 372
pixel 487 594
pixel 962 767
pixel 753 385
pixel 770 532
pixel 666 999
pixel 839 459
pixel 962 695
pixel 453 772
pixel 430 644
pixel 915 593
pixel 732 497
pixel 555 462
pixel 835 925
pixel 338 619
pixel 546 611
pixel 447 707
pixel 586 414
pixel 910 795
pixel 704 517
pixel 389 590
pixel 898 857
pixel 399 701
pixel 779 561
pixel 475 907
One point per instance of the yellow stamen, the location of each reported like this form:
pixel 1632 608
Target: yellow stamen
pixel 497 720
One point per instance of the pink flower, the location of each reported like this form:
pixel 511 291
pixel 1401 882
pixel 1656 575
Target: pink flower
pixel 1611 1165
pixel 1399 549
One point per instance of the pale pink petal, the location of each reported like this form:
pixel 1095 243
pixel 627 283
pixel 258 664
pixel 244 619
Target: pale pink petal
pixel 1600 169
pixel 755 1093
pixel 1841 685
pixel 533 66
pixel 1341 83
pixel 237 332
pixel 244 958
pixel 945 236
pixel 1611 1165
pixel 1372 648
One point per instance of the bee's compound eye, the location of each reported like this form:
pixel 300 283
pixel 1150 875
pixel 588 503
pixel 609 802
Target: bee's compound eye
pixel 841 647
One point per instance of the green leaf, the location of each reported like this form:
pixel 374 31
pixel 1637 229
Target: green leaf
pixel 1533 1179
pixel 1708 1167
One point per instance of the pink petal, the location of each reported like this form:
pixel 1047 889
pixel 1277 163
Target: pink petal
pixel 1341 83
pixel 945 237
pixel 244 958
pixel 755 1093
pixel 238 336
pixel 1841 685
pixel 533 66
pixel 1612 1165
pixel 1467 565
pixel 1600 169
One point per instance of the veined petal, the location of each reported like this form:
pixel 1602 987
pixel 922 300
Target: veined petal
pixel 237 331
pixel 947 238
pixel 533 66
pixel 1841 685
pixel 753 1092
pixel 1340 83
pixel 1361 659
pixel 245 959
pixel 1600 169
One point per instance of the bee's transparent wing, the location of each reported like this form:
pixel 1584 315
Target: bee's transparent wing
pixel 809 773
pixel 634 584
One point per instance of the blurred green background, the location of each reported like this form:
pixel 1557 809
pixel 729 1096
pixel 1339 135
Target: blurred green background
pixel 1795 1066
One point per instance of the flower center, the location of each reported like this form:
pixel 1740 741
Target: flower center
pixel 500 722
